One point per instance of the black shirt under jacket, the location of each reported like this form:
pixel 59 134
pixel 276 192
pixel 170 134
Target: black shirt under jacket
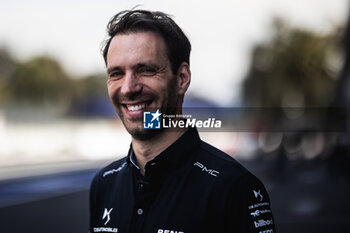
pixel 191 187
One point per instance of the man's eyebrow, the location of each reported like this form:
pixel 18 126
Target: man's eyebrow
pixel 146 64
pixel 136 66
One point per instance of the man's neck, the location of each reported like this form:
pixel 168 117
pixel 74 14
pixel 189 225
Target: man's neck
pixel 146 150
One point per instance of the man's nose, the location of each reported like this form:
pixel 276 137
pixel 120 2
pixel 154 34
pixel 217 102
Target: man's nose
pixel 131 85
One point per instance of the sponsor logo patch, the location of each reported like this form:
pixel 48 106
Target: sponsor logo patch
pixel 206 170
pixel 258 195
pixel 168 231
pixel 262 223
pixel 105 229
pixel 110 172
pixel 257 213
pixel 106 215
pixel 258 205
pixel 266 231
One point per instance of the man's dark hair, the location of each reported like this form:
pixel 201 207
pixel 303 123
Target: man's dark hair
pixel 130 21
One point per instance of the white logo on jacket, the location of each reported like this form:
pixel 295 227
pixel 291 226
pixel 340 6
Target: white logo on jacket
pixel 205 169
pixel 106 214
pixel 168 231
pixel 257 194
pixel 110 172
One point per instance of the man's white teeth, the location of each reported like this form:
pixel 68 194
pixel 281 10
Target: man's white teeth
pixel 135 107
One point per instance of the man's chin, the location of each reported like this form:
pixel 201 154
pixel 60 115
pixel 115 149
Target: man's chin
pixel 144 134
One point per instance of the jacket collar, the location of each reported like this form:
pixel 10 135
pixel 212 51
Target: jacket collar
pixel 176 153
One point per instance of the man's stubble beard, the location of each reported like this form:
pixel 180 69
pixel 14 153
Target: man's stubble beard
pixel 150 134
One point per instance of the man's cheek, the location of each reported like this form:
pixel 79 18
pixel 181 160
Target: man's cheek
pixel 113 96
pixel 110 93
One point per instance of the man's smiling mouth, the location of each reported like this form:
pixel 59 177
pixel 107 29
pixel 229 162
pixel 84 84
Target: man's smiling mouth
pixel 137 106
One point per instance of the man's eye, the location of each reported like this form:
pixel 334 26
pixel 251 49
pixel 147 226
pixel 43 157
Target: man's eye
pixel 115 74
pixel 147 71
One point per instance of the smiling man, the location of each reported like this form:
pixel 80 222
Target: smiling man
pixel 140 78
pixel 170 181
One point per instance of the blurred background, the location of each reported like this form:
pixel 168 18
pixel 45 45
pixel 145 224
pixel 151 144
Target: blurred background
pixel 57 126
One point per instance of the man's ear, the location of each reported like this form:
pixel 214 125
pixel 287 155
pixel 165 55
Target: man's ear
pixel 183 78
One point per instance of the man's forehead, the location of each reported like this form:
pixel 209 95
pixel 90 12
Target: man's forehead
pixel 136 47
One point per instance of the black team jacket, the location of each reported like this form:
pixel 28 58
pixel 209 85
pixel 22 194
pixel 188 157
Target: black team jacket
pixel 191 187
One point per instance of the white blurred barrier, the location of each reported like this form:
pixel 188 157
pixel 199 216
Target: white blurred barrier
pixel 98 139
pixel 31 143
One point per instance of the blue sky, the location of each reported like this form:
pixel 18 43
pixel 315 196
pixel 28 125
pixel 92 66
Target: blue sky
pixel 222 32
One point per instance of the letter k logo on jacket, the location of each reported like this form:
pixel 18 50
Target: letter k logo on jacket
pixel 106 215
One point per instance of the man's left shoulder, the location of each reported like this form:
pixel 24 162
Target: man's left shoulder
pixel 228 168
pixel 237 189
